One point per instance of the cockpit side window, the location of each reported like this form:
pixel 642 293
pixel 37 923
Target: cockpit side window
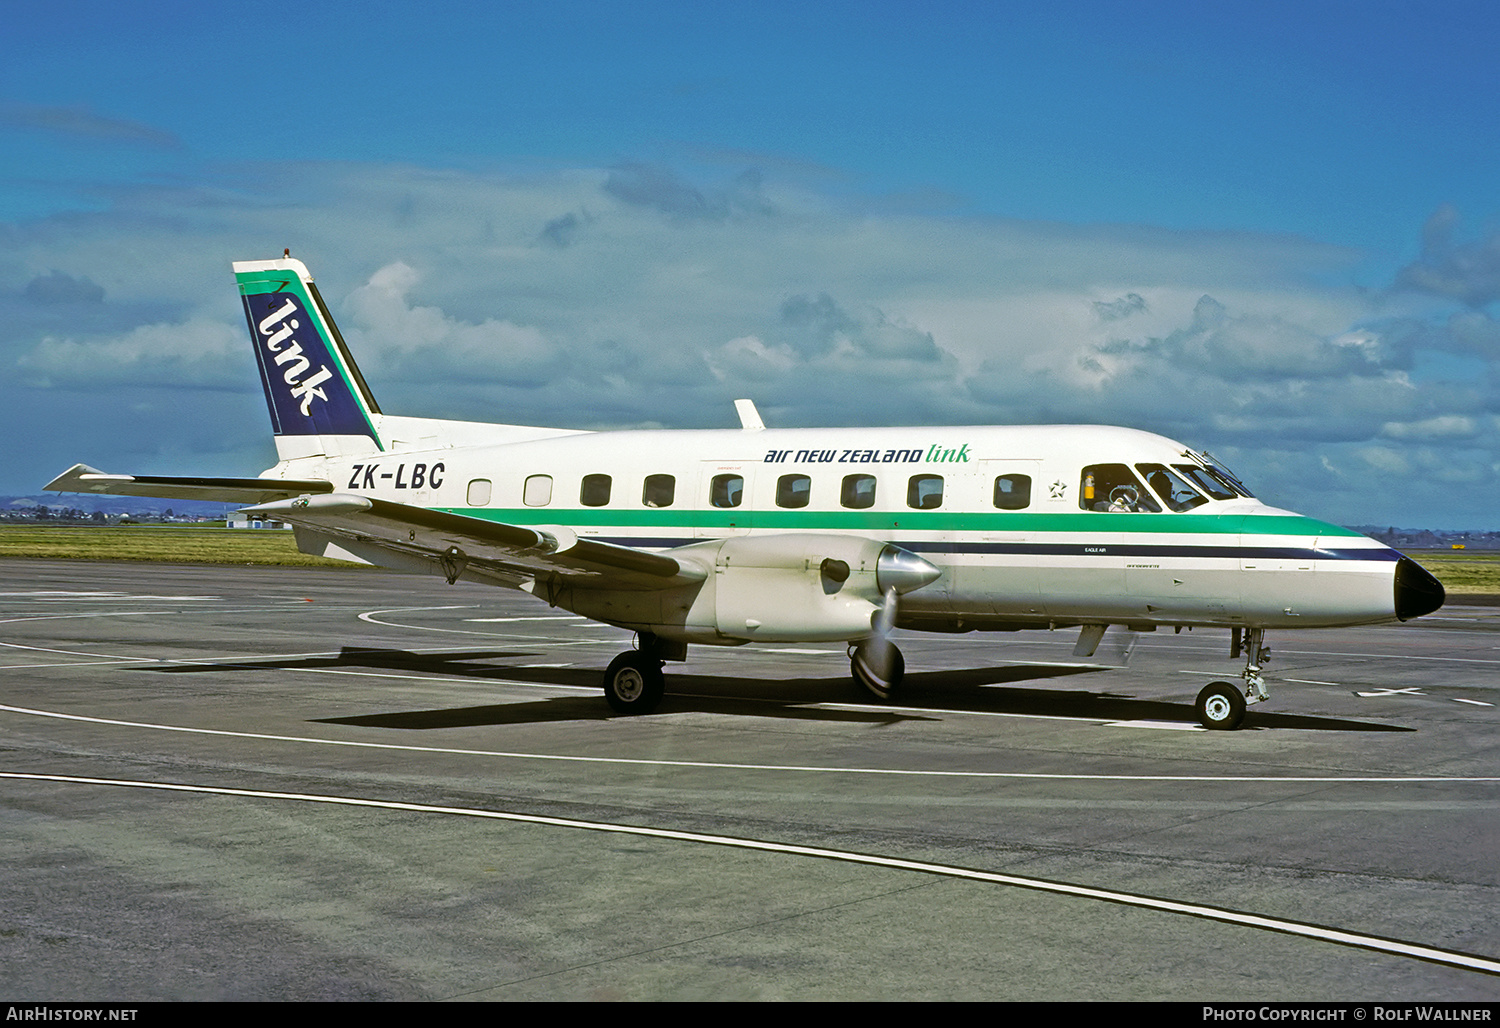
pixel 1111 487
pixel 1206 481
pixel 1175 493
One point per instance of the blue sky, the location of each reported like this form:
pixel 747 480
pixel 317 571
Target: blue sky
pixel 1269 229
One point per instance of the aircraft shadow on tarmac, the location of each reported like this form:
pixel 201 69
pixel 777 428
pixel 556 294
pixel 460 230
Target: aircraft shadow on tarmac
pixel 981 690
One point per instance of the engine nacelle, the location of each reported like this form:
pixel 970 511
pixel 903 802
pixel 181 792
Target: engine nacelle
pixel 799 587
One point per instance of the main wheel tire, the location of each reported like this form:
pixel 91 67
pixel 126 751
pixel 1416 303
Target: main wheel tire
pixel 1221 706
pixel 880 687
pixel 633 683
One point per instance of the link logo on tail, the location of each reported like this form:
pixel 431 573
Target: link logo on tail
pixel 278 328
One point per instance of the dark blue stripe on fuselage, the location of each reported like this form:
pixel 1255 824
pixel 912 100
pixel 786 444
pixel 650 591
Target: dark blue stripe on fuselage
pixel 1087 549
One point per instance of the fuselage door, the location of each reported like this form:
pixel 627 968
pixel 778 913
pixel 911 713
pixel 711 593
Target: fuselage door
pixel 723 496
pixel 995 567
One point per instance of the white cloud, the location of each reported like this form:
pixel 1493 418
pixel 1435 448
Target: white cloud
pixel 1447 426
pixel 197 354
pixel 608 298
pixel 423 344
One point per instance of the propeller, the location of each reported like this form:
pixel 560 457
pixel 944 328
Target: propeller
pixel 878 663
pixel 880 657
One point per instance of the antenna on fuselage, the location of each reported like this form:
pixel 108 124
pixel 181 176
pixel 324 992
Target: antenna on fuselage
pixel 749 416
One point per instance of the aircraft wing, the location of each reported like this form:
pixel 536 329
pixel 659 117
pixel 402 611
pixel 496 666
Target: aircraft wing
pixel 81 478
pixel 419 539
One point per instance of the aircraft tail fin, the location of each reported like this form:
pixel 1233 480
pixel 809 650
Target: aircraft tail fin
pixel 318 401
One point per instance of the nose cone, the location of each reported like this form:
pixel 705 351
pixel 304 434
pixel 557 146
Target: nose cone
pixel 1417 592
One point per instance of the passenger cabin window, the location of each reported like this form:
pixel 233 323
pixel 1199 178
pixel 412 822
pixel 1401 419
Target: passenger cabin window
pixel 858 492
pixel 1013 492
pixel 1112 487
pixel 479 492
pixel 793 491
pixel 924 492
pixel 595 491
pixel 1174 492
pixel 727 490
pixel 537 491
pixel 659 491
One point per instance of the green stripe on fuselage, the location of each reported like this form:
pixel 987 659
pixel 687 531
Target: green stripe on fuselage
pixel 914 520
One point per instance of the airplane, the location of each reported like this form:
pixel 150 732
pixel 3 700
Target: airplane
pixel 752 535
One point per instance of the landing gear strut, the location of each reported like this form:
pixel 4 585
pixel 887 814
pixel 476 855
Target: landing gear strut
pixel 1222 705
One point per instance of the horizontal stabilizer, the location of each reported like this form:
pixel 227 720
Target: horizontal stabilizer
pixel 81 478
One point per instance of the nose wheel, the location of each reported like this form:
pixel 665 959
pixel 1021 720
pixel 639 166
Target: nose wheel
pixel 1221 706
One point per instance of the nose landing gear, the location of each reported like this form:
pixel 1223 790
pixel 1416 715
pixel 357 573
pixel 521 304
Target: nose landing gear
pixel 1222 705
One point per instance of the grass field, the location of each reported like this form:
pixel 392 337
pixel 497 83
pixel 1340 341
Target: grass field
pixel 1463 573
pixel 185 544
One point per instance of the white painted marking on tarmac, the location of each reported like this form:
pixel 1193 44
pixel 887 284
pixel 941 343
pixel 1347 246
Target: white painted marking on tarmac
pixel 550 617
pixel 866 708
pixel 111 614
pixel 1383 656
pixel 58 594
pixel 810 653
pixel 1477 703
pixel 109 658
pixel 1171 726
pixel 1308 681
pixel 1223 915
pixel 370 617
pixel 1413 691
pixel 720 765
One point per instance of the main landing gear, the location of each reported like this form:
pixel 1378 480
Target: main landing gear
pixel 1222 705
pixel 633 682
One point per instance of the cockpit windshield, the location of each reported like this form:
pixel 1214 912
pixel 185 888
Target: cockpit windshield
pixel 1216 472
pixel 1175 493
pixel 1213 486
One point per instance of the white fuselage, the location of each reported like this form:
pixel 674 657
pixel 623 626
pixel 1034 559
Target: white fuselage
pixel 1016 518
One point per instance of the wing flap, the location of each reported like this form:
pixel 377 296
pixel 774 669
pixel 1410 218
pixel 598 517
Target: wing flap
pixel 455 542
